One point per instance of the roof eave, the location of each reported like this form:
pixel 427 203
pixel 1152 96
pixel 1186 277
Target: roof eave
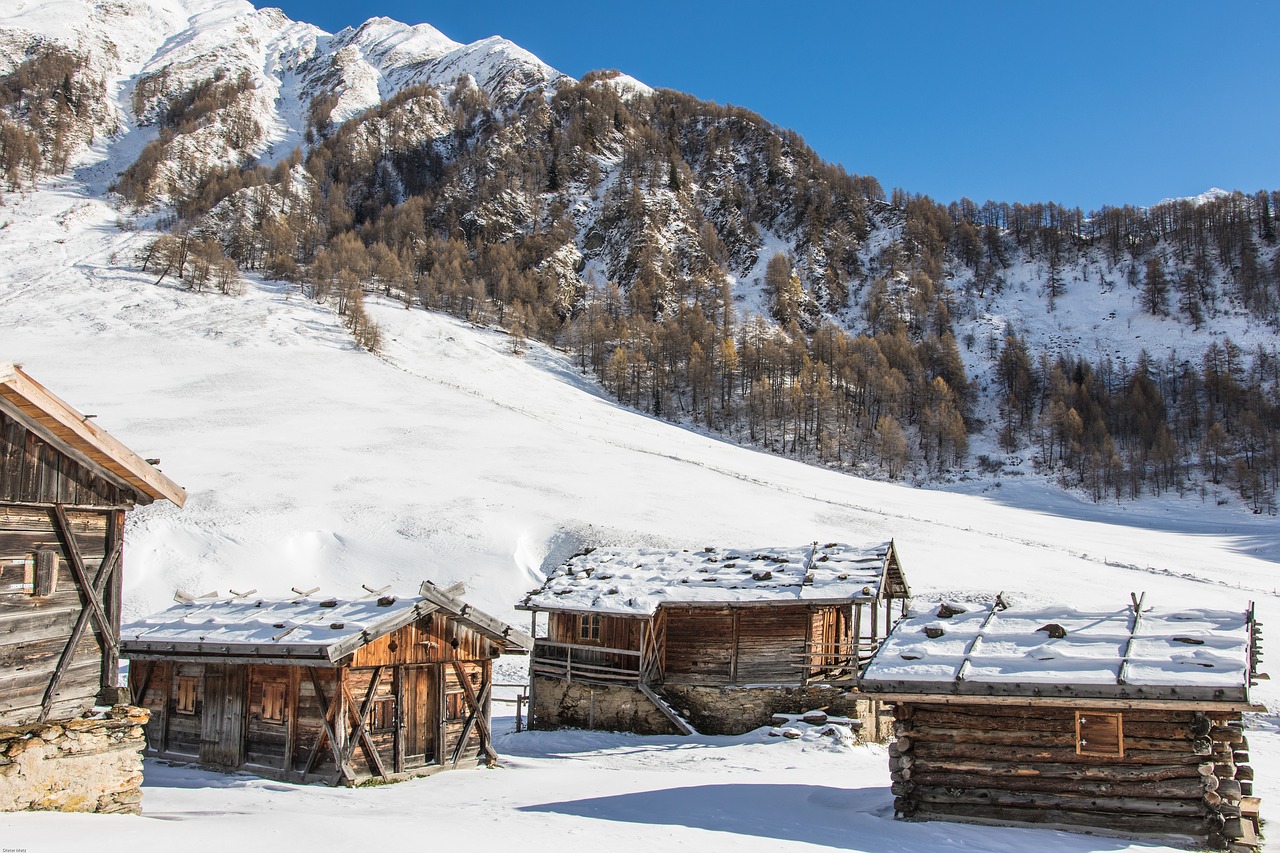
pixel 60 424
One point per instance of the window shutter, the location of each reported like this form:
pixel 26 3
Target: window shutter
pixel 1099 733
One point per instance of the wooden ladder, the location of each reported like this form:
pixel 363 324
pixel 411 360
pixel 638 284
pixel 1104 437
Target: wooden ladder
pixel 660 702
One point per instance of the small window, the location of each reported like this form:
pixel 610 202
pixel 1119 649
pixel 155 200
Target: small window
pixel 40 573
pixel 382 716
pixel 1099 733
pixel 273 694
pixel 186 694
pixel 589 626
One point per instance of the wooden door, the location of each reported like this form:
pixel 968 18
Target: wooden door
pixel 225 706
pixel 421 716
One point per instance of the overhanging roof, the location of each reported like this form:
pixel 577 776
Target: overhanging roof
pixel 305 628
pixel 55 421
pixel 636 582
pixel 1138 653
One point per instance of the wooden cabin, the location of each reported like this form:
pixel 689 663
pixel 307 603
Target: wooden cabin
pixel 1124 721
pixel 657 641
pixel 320 689
pixel 65 486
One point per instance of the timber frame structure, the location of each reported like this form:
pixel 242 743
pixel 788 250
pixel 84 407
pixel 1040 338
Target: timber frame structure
pixel 1120 722
pixel 321 690
pixel 65 486
pixel 712 640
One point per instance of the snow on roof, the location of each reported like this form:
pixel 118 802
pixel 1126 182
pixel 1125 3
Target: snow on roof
pixel 638 581
pixel 304 626
pixel 1062 651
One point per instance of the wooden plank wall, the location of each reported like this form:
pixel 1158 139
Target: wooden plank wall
pixel 432 710
pixel 32 471
pixel 34 630
pixel 744 645
pixel 430 639
pixel 1020 764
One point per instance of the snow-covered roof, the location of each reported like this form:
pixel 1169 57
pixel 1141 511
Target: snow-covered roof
pixel 305 626
pixel 1159 653
pixel 54 420
pixel 638 581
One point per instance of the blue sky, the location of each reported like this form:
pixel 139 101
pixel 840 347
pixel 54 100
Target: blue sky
pixel 1087 103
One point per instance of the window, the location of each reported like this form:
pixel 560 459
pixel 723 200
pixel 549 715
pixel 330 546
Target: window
pixel 186 694
pixel 589 626
pixel 382 716
pixel 40 573
pixel 1099 733
pixel 273 694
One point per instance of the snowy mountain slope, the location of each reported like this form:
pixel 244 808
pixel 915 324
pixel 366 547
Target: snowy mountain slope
pixel 312 463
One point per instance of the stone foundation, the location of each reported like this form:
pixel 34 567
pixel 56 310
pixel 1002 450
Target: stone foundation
pixel 559 704
pixel 711 710
pixel 89 764
pixel 737 710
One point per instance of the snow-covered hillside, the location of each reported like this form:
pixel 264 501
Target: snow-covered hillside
pixel 312 463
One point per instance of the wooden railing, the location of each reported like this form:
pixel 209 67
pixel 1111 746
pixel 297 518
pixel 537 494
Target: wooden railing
pixel 585 663
pixel 835 661
pixel 520 700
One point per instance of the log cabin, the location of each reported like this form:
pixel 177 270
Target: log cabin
pixel 712 640
pixel 65 486
pixel 321 689
pixel 1117 721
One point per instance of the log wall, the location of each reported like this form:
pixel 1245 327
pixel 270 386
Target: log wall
pixel 1179 773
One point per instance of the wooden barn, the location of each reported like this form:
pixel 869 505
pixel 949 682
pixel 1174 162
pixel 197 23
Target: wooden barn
pixel 719 641
pixel 320 689
pixel 1125 721
pixel 65 486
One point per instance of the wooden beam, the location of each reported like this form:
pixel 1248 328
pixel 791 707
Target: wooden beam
pixel 1123 672
pixel 327 713
pixel 511 637
pixel 74 434
pixel 1065 702
pixel 477 716
pixel 360 735
pixel 92 609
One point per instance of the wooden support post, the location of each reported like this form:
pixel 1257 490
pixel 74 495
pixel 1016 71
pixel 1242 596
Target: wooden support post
pixel 291 721
pixel 442 712
pixel 166 707
pixel 112 598
pixel 401 721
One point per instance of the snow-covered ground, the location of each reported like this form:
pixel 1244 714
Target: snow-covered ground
pixel 310 463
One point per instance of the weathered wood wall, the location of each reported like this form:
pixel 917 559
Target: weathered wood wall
pixel 746 645
pixel 35 630
pixel 425 720
pixel 34 472
pixel 1019 764
pixel 434 638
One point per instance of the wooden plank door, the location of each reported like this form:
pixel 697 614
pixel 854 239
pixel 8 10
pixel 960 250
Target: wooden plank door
pixel 421 715
pixel 223 724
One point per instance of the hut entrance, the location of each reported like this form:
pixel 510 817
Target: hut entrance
pixel 421 702
pixel 222 729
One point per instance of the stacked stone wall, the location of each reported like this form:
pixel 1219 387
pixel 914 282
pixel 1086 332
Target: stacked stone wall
pixel 573 704
pixel 736 710
pixel 87 764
